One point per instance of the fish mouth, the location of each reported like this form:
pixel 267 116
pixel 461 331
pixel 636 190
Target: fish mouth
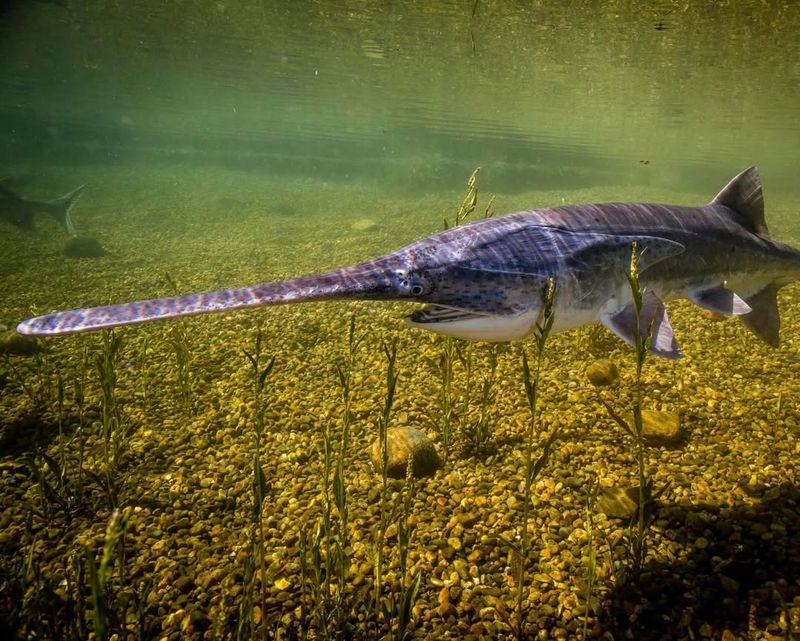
pixel 473 325
pixel 440 314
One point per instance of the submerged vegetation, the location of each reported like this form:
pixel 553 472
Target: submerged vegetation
pixel 177 488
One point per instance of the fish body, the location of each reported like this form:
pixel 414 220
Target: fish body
pixel 20 211
pixel 488 280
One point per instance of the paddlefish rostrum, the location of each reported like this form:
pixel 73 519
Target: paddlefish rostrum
pixel 488 280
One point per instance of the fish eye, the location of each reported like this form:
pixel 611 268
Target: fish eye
pixel 420 284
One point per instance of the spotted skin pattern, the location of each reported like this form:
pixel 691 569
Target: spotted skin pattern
pixel 500 268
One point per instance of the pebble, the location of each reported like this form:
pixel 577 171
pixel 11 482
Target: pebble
pixel 190 478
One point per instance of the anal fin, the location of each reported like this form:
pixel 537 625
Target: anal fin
pixel 764 320
pixel 721 300
pixel 653 312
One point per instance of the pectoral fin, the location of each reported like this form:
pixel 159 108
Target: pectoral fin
pixel 720 300
pixel 662 340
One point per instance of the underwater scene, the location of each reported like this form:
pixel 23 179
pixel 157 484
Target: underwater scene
pixel 599 438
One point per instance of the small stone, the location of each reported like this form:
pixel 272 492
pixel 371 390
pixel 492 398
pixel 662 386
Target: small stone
pixel 714 316
pixel 444 597
pixel 183 584
pixel 460 566
pixel 406 443
pixel 663 428
pixel 602 373
pixel 448 552
pixel 199 620
pixel 731 586
pixel 454 542
pixel 467 520
pixel 446 609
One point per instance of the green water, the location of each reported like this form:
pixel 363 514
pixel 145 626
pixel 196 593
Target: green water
pixel 412 94
pixel 232 142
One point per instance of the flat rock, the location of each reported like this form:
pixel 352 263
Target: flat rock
pixel 404 444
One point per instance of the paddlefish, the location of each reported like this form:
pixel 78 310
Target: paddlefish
pixel 488 280
pixel 20 211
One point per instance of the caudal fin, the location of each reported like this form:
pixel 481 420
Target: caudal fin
pixel 60 209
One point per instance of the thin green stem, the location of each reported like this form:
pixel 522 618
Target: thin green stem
pixel 533 467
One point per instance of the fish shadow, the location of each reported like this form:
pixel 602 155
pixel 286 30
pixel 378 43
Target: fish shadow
pixel 737 570
pixel 28 434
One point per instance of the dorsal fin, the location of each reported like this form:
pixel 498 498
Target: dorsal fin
pixel 743 195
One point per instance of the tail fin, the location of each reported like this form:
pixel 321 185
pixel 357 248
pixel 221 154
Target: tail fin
pixel 60 208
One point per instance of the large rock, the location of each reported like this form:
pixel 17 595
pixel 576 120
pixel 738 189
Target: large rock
pixel 661 428
pixel 602 373
pixel 404 444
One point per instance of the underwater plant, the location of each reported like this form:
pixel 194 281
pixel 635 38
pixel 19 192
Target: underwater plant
pixel 636 544
pixel 532 466
pixel 259 374
pixel 478 430
pixel 100 574
pixel 393 611
pixel 446 401
pixel 399 606
pixel 113 432
pixel 379 538
pixel 329 610
pixel 451 351
pixel 591 556
pixel 178 339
